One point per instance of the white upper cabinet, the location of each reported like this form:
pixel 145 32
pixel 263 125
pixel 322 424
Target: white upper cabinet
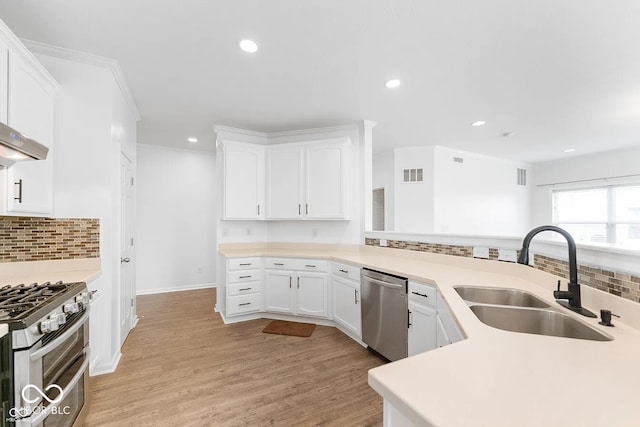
pixel 307 180
pixel 243 181
pixel 284 184
pixel 288 181
pixel 326 190
pixel 30 93
pixel 4 80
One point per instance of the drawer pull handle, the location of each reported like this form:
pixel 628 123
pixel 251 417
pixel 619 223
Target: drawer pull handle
pixel 278 263
pixel 309 265
pixel 344 271
pixel 355 296
pixel 245 289
pixel 244 277
pixel 245 303
pixel 420 295
pixel 245 263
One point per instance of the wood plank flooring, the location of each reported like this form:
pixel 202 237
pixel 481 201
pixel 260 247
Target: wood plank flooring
pixel 181 366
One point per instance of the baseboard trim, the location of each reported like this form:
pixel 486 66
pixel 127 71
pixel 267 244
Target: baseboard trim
pixel 107 368
pixel 178 289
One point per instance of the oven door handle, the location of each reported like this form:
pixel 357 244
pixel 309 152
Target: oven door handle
pixel 36 420
pixel 37 354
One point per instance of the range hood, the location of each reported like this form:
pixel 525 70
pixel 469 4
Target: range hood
pixel 15 147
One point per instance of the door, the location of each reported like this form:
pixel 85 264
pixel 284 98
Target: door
pixel 326 181
pixel 284 183
pixel 127 259
pixel 279 292
pixel 30 111
pixel 422 329
pixel 312 291
pixel 243 181
pixel 346 305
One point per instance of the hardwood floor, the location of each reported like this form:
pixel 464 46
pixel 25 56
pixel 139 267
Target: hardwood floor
pixel 182 366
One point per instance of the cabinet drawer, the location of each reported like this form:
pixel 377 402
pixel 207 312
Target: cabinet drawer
pixel 346 270
pixel 279 263
pixel 244 288
pixel 310 265
pixel 244 276
pixel 244 303
pixel 422 294
pixel 243 263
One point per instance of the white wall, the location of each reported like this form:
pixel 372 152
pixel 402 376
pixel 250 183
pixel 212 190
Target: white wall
pixel 590 168
pixel 383 178
pixel 86 183
pixel 176 219
pixel 414 201
pixel 479 196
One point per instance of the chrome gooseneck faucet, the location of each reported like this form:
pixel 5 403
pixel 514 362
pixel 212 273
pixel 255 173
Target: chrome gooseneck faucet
pixel 573 294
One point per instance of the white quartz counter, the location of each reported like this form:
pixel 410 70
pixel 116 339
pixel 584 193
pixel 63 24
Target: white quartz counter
pixel 4 329
pixel 496 377
pixel 73 270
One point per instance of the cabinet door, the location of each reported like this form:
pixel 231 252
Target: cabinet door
pixel 284 183
pixel 243 181
pixel 4 80
pixel 279 291
pixel 442 338
pixel 422 329
pixel 312 292
pixel 346 305
pixel 30 111
pixel 326 181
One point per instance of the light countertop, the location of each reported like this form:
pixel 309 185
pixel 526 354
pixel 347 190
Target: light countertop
pixel 4 329
pixel 496 377
pixel 73 270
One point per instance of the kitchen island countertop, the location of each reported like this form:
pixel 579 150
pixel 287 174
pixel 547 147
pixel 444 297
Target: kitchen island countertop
pixel 495 377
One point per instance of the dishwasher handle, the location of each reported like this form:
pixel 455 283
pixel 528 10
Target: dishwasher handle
pixel 381 283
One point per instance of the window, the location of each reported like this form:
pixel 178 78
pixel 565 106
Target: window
pixel 608 214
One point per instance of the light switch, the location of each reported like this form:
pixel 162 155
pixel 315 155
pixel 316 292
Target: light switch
pixel 507 255
pixel 480 252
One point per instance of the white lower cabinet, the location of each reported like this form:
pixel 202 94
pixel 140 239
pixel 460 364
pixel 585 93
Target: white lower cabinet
pixel 422 328
pixel 293 292
pixel 243 286
pixel 346 305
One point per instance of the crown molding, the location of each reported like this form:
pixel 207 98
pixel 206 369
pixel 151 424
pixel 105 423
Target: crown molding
pixel 15 44
pixel 87 58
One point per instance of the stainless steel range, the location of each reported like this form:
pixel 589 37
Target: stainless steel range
pixel 44 359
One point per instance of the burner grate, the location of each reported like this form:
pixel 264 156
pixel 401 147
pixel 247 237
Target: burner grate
pixel 19 301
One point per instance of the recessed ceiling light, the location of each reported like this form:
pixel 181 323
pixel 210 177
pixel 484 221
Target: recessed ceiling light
pixel 569 150
pixel 192 140
pixel 478 123
pixel 248 46
pixel 392 84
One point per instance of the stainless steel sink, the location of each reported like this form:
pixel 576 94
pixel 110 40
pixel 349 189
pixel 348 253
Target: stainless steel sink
pixel 500 296
pixel 536 321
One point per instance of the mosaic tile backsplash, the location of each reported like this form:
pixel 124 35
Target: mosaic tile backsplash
pixel 38 239
pixel 616 283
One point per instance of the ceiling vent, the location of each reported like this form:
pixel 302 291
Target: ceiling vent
pixel 522 177
pixel 458 159
pixel 412 175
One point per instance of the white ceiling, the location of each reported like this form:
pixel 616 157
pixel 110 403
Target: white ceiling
pixel 557 73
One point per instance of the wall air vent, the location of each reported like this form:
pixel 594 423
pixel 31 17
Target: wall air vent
pixel 522 177
pixel 412 175
pixel 458 159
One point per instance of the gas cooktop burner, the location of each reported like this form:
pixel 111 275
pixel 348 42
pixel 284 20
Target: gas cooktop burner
pixel 18 302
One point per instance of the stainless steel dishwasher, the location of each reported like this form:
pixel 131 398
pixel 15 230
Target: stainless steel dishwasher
pixel 384 313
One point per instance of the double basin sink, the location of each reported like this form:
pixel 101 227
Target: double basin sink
pixel 520 311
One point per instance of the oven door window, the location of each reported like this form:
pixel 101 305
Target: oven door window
pixel 60 359
pixel 67 410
